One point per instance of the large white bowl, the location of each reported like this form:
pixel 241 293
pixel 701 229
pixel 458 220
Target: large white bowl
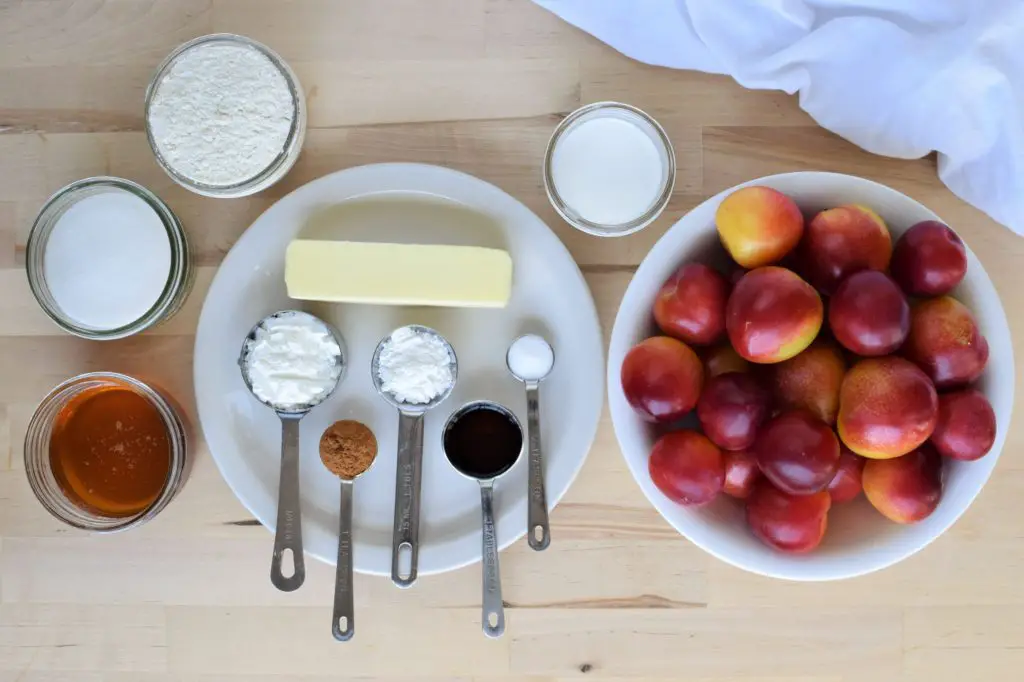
pixel 859 540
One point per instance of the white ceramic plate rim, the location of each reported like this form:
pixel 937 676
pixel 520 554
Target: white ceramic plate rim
pixel 661 257
pixel 463 189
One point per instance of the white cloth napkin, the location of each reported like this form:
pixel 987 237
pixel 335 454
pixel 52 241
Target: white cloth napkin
pixel 897 77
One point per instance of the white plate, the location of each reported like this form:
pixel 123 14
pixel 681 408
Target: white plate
pixel 859 540
pixel 416 204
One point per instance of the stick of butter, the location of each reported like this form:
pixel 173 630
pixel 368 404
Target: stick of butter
pixel 398 274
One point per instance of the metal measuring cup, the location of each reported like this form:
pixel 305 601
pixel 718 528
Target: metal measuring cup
pixel 406 532
pixel 288 534
pixel 539 531
pixel 493 609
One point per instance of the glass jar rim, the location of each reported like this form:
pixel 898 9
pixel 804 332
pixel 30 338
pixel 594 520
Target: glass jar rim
pixel 176 470
pixel 284 158
pixel 573 217
pixel 48 216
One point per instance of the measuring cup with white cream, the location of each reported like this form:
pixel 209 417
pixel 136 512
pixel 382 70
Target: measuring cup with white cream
pixel 291 361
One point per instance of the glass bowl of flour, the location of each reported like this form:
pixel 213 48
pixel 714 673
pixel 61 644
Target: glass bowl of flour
pixel 225 116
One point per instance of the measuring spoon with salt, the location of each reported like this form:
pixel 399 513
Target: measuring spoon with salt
pixel 329 349
pixel 405 535
pixel 482 440
pixel 347 449
pixel 530 359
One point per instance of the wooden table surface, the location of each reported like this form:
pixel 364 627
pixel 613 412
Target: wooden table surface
pixel 477 85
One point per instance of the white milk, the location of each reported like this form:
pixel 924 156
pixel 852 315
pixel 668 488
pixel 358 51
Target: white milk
pixel 107 260
pixel 608 170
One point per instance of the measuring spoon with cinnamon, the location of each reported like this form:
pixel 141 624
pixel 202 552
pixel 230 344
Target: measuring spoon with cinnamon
pixel 347 448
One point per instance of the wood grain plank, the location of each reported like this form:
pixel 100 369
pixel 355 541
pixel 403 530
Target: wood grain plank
pixel 74 98
pixel 114 676
pixel 58 33
pixel 963 627
pixel 68 356
pixel 6 446
pixel 991 665
pixel 349 92
pixel 695 98
pixel 707 643
pixel 297 641
pixel 926 579
pixel 234 570
pixel 513 28
pixel 8 236
pixel 341 30
pixel 50 638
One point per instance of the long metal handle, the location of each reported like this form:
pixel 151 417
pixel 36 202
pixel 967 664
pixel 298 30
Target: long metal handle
pixel 539 533
pixel 288 537
pixel 343 623
pixel 493 608
pixel 405 547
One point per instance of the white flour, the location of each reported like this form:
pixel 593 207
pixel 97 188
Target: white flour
pixel 293 361
pixel 415 367
pixel 221 114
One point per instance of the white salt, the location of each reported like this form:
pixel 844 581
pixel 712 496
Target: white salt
pixel 608 170
pixel 530 357
pixel 107 260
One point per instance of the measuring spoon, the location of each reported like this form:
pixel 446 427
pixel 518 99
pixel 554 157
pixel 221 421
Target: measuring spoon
pixel 482 440
pixel 531 373
pixel 405 543
pixel 288 534
pixel 343 622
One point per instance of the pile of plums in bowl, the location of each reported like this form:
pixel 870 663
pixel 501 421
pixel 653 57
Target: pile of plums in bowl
pixel 808 361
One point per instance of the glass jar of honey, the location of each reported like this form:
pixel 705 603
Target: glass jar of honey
pixel 105 452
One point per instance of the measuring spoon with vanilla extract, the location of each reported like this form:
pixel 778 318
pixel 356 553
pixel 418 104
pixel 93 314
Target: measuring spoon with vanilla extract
pixel 482 440
pixel 348 449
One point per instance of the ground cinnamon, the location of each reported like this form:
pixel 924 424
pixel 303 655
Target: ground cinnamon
pixel 348 448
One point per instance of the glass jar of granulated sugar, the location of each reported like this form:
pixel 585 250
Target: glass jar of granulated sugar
pixel 106 258
pixel 225 116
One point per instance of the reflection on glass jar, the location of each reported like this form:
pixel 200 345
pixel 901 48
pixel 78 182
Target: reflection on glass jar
pixel 105 452
pixel 106 258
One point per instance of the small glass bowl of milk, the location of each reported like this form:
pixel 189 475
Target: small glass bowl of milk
pixel 106 258
pixel 609 169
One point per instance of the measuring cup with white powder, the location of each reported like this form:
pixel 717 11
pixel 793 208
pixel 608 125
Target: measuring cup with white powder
pixel 609 169
pixel 291 361
pixel 106 258
pixel 225 116
pixel 414 368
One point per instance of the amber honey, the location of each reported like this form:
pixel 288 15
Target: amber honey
pixel 110 451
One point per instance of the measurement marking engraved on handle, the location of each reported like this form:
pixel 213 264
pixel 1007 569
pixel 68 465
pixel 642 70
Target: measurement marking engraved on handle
pixel 344 549
pixel 289 525
pixel 536 468
pixel 536 483
pixel 405 522
pixel 490 557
